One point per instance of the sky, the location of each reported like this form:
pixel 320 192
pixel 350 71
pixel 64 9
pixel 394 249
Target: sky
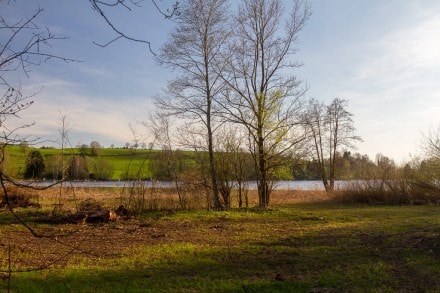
pixel 381 56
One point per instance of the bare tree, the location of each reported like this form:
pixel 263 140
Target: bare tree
pixel 429 166
pixel 161 127
pixel 64 127
pixel 430 143
pixel 234 164
pixel 263 95
pixel 316 121
pixel 193 49
pixel 331 127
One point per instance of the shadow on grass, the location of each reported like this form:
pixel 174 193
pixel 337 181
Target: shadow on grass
pixel 328 262
pixel 320 249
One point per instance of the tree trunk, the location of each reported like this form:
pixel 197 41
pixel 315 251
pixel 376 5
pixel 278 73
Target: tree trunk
pixel 263 192
pixel 215 192
pixel 240 196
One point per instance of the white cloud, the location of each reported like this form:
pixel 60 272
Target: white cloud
pixel 395 90
pixel 90 117
pixel 403 54
pixel 94 71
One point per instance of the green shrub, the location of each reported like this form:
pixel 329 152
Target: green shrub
pixel 34 165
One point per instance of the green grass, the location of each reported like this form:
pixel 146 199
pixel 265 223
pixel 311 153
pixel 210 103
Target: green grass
pixel 124 162
pixel 311 246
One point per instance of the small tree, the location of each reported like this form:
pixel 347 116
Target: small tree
pixel 83 149
pixel 78 168
pixel 102 170
pixel 34 165
pixel 235 165
pixel 54 167
pixel 169 162
pixel 95 147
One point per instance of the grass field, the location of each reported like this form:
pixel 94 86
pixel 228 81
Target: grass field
pixel 297 246
pixel 124 161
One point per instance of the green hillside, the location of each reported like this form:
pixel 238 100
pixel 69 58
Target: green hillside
pixel 125 163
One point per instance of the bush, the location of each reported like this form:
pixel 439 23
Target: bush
pixel 102 170
pixel 34 165
pixel 78 168
pixel 396 191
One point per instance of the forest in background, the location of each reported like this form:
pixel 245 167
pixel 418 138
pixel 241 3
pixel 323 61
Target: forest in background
pixel 99 163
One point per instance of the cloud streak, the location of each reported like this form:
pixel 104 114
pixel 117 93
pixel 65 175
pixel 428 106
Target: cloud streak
pixel 91 118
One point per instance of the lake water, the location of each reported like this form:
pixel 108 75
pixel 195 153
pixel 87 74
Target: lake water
pixel 282 185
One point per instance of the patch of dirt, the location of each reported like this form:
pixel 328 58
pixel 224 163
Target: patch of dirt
pixel 57 243
pixel 429 242
pixel 18 201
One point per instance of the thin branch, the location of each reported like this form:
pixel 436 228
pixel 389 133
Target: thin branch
pixel 98 5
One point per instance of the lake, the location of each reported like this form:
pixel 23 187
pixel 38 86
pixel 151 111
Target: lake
pixel 281 185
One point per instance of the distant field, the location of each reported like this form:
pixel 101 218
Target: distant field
pixel 124 161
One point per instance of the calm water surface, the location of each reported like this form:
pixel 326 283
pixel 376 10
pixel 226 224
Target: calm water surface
pixel 289 185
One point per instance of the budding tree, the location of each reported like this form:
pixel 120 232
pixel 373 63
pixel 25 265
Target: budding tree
pixel 263 95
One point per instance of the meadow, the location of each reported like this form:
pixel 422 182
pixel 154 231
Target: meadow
pixel 124 162
pixel 306 242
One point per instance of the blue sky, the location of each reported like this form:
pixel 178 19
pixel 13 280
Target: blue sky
pixel 382 56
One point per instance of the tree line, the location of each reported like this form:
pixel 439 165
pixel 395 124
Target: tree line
pixel 235 102
pixel 164 165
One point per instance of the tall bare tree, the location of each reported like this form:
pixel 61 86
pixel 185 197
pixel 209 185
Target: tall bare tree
pixel 193 50
pixel 316 121
pixel 331 127
pixel 263 94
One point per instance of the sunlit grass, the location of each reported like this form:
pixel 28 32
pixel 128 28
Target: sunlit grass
pixel 293 247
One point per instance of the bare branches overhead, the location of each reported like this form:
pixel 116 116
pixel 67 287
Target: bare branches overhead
pixel 24 43
pixel 102 7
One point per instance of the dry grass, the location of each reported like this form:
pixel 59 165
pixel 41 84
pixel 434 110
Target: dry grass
pixel 67 199
pixel 294 247
pixel 396 191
